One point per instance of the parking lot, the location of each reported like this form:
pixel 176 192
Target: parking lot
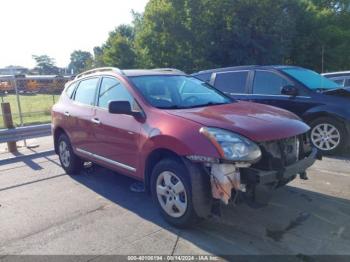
pixel 45 211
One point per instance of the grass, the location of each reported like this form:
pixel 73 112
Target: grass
pixel 36 108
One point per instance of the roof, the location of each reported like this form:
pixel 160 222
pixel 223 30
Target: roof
pixel 247 67
pixel 334 74
pixel 130 72
pixel 148 72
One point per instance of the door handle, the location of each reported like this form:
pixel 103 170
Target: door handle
pixel 66 113
pixel 96 121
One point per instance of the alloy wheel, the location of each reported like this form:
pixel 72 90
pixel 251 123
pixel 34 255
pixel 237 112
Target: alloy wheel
pixel 64 154
pixel 325 136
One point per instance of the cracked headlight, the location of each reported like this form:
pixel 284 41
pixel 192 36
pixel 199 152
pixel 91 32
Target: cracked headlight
pixel 232 146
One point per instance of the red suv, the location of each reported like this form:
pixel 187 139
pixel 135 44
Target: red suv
pixel 191 145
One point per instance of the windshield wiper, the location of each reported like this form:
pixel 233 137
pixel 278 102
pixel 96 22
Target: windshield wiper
pixel 194 106
pixel 208 104
pixel 170 107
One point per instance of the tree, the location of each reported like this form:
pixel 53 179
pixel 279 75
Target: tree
pixel 323 34
pixel 119 48
pixel 80 61
pixel 98 57
pixel 45 65
pixel 197 34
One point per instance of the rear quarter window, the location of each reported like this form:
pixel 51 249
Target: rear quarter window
pixel 70 89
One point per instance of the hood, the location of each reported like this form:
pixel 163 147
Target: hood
pixel 255 121
pixel 342 92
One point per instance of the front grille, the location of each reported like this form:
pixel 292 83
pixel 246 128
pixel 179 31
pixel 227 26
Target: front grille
pixel 280 153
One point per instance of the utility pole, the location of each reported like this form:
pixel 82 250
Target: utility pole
pixel 322 59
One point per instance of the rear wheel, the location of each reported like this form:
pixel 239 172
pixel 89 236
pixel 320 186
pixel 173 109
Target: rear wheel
pixel 328 135
pixel 171 189
pixel 70 162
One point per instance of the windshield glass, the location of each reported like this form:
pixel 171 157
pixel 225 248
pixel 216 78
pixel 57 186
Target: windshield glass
pixel 174 92
pixel 311 79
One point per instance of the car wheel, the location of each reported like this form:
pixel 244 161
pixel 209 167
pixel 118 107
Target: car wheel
pixel 70 162
pixel 171 190
pixel 328 135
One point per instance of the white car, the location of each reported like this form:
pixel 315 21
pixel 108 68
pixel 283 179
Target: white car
pixel 341 78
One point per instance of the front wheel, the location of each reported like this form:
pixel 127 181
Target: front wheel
pixel 328 135
pixel 171 189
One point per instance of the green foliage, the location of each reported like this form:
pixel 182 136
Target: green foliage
pixel 80 61
pixel 198 34
pixel 119 48
pixel 45 65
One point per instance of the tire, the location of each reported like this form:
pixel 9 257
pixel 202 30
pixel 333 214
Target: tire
pixel 180 212
pixel 328 135
pixel 70 162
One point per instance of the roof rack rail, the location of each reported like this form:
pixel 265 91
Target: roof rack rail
pixel 169 70
pixel 100 69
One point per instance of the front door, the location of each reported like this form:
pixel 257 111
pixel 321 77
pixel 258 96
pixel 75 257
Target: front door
pixel 116 136
pixel 266 89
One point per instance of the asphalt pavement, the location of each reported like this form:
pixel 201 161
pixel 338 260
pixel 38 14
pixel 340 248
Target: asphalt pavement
pixel 44 211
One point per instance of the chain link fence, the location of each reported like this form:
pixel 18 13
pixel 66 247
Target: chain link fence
pixel 32 102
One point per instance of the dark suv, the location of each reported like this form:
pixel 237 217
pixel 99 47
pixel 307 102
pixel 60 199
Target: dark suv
pixel 320 102
pixel 191 145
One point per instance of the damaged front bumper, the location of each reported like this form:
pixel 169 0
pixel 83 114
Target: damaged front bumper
pixel 279 177
pixel 251 184
pixel 260 183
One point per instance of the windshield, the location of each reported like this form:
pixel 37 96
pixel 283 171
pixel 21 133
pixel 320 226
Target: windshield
pixel 176 92
pixel 311 79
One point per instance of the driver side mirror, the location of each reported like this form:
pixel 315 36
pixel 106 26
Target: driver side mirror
pixel 289 90
pixel 122 107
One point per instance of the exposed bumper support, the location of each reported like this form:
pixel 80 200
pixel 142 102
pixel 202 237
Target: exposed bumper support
pixel 261 177
pixel 261 183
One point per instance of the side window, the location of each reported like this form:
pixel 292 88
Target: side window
pixel 204 77
pixel 70 89
pixel 268 83
pixel 231 82
pixel 339 81
pixel 86 91
pixel 112 90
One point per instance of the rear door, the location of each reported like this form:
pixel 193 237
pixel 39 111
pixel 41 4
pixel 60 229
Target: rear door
pixel 82 113
pixel 116 136
pixel 233 83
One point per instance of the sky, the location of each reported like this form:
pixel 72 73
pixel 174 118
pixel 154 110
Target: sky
pixel 58 27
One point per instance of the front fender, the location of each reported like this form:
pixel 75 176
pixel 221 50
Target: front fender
pixel 166 142
pixel 322 111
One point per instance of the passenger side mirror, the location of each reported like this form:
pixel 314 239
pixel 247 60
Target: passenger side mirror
pixel 122 107
pixel 289 90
